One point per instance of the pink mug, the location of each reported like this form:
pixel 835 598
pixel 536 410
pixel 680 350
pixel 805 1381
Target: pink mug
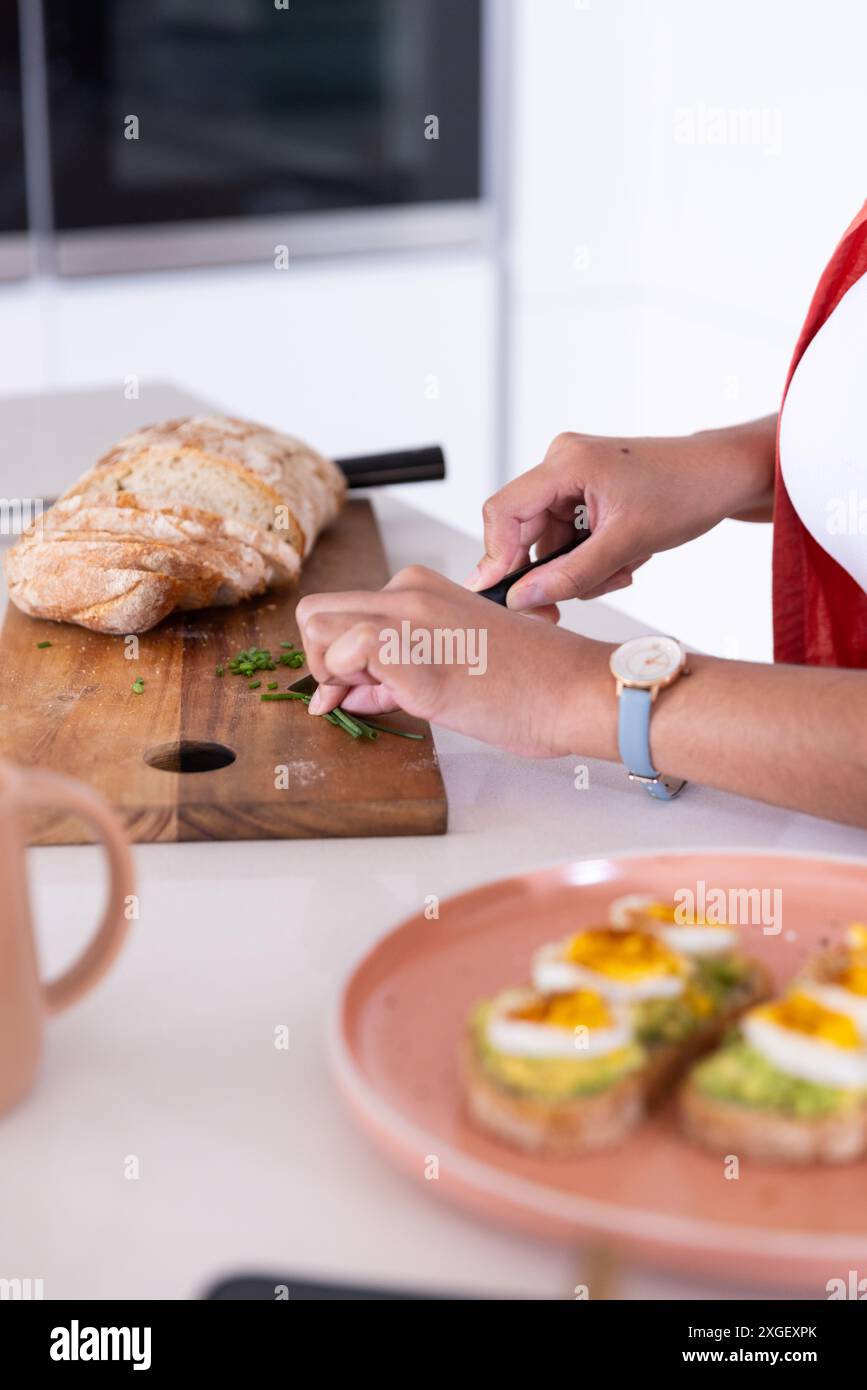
pixel 24 999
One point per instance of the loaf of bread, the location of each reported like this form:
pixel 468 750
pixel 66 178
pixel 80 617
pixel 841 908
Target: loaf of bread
pixel 196 512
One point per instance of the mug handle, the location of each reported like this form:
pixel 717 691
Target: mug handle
pixel 38 787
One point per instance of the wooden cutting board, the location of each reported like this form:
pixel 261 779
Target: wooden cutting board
pixel 70 707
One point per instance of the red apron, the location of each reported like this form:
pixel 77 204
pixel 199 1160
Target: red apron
pixel 820 613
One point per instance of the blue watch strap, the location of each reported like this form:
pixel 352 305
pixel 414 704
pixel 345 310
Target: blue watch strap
pixel 633 737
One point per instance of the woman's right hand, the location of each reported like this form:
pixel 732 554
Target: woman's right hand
pixel 638 496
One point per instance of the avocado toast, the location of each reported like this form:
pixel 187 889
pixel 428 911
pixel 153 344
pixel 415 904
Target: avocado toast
pixel 681 1002
pixel 560 1075
pixel 789 1086
pixel 612 1020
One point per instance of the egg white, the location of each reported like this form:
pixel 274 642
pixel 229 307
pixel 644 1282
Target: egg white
pixel 522 1038
pixel 809 1059
pixel 839 999
pixel 693 940
pixel 553 974
pixel 698 941
pixel 629 910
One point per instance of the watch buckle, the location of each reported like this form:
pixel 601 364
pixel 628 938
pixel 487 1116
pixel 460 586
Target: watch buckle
pixel 672 785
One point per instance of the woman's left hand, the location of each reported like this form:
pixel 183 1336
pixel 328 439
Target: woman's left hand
pixel 433 648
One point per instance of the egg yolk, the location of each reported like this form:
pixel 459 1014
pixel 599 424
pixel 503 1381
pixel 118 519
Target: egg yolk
pixel 623 955
pixel 583 1009
pixel 667 912
pixel 854 976
pixel 857 936
pixel 660 912
pixel 802 1014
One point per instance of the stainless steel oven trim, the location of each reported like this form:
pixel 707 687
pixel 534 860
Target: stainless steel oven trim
pixel 230 241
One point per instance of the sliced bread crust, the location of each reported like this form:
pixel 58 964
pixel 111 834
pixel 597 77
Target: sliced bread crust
pixel 33 571
pixel 311 484
pixel 117 601
pixel 221 568
pixel 218 508
pixel 128 513
pixel 189 477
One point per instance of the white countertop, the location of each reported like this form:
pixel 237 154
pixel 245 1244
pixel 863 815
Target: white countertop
pixel 248 1159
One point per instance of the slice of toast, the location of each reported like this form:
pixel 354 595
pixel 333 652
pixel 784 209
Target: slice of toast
pixel 560 1128
pixel 768 1136
pixel 311 484
pixel 63 579
pixel 103 599
pixel 155 518
pixel 235 576
pixel 205 579
pixel 187 476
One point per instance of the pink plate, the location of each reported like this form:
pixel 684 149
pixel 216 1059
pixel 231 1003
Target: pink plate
pixel 401 1018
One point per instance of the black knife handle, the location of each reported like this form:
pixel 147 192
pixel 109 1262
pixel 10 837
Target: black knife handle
pixel 497 592
pixel 401 466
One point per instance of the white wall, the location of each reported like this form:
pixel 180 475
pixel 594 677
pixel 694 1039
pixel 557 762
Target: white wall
pixel 659 285
pixel 355 355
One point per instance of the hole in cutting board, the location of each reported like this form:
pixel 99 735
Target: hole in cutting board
pixel 189 755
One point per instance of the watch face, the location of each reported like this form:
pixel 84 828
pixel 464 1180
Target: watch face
pixel 648 661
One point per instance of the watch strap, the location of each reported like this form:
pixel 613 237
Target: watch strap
pixel 633 737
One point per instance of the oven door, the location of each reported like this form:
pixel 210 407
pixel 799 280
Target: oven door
pixel 194 131
pixel 15 251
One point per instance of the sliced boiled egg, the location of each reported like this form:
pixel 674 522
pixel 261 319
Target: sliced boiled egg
pixel 802 1037
pixel 856 936
pixel 846 989
pixel 627 965
pixel 694 938
pixel 579 1025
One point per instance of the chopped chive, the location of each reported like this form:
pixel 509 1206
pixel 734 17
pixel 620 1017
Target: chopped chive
pixel 254 685
pixel 346 723
pixel 138 686
pixel 350 724
pixel 247 663
pixel 290 645
pixel 272 685
pixel 40 646
pixel 398 733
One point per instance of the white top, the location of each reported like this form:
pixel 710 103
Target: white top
pixel 823 435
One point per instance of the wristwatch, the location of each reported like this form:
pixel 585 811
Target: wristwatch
pixel 642 667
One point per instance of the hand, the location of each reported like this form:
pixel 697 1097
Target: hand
pixel 525 686
pixel 640 495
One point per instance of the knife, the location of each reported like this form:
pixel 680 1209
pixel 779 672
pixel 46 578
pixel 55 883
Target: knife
pixel 424 465
pixel 497 592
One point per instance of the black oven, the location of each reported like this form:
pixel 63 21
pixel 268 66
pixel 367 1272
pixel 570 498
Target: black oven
pixel 14 241
pixel 193 131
